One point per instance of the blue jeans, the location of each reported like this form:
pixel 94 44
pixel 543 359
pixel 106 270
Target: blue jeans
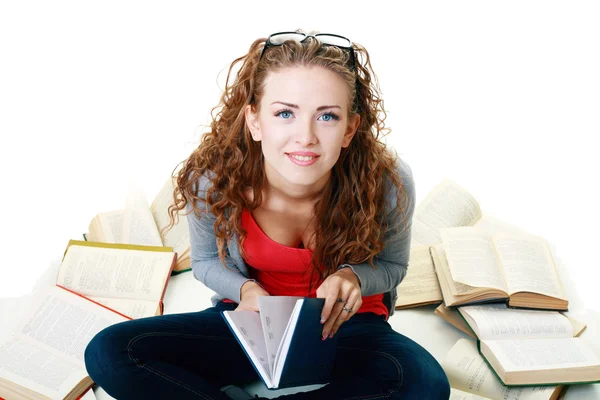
pixel 192 355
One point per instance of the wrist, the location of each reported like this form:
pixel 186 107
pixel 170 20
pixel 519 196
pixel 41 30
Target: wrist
pixel 248 286
pixel 348 272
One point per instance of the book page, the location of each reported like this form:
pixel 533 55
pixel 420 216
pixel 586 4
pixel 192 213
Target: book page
pixel 491 226
pixel 45 353
pixel 446 205
pixel 64 323
pixel 420 283
pixel 528 264
pixel 471 258
pixel 112 225
pixel 106 272
pixel 132 308
pixel 179 236
pixel 467 371
pixel 275 312
pixel 456 288
pixel 543 354
pixel 456 394
pixel 138 223
pixel 497 321
pixel 247 328
pixel 27 364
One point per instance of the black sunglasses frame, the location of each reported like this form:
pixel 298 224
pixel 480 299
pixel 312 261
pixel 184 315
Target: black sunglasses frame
pixel 268 44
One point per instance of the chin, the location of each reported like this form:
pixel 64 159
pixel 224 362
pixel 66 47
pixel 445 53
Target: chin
pixel 305 178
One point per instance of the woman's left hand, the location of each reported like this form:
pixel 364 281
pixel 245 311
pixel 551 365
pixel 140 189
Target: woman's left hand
pixel 341 291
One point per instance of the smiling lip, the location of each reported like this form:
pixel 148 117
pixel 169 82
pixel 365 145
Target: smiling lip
pixel 303 154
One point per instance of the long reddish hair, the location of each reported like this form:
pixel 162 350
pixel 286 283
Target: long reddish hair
pixel 349 216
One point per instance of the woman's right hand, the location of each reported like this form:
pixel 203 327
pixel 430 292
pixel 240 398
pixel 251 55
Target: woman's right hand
pixel 249 296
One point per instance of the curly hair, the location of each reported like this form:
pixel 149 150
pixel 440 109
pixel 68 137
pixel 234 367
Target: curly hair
pixel 349 215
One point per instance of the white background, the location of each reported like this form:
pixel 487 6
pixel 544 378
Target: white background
pixel 502 97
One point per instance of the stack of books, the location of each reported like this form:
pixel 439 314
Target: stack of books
pixel 499 285
pixel 120 272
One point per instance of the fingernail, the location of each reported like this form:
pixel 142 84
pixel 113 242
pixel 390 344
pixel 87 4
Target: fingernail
pixel 330 335
pixel 322 319
pixel 325 335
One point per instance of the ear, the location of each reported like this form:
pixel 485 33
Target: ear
pixel 252 123
pixel 351 130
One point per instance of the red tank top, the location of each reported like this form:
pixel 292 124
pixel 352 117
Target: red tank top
pixel 286 271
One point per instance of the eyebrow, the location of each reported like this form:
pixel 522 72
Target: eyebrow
pixel 296 106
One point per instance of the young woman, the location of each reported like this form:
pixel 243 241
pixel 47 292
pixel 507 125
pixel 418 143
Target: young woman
pixel 293 193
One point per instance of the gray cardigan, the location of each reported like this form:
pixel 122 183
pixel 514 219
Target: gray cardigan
pixel 391 262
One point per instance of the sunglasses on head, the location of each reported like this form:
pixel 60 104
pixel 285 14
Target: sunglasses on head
pixel 327 39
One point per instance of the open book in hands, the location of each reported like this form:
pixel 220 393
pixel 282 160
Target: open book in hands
pixel 474 267
pixel 141 224
pixel 531 347
pixel 283 340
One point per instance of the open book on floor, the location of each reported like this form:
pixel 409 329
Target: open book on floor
pixel 283 340
pixel 453 317
pixel 420 285
pixel 43 357
pixel 531 347
pixel 140 224
pixel 448 204
pixel 131 279
pixel 474 267
pixel 471 378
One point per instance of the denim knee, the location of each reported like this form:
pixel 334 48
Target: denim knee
pixel 437 382
pixel 103 354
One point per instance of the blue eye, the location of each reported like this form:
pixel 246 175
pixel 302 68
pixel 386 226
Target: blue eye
pixel 285 114
pixel 332 116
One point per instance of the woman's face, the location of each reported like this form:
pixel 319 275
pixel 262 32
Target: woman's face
pixel 302 125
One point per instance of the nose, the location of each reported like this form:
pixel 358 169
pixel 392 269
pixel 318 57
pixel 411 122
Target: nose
pixel 306 134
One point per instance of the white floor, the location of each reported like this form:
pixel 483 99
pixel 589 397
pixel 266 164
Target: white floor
pixel 185 294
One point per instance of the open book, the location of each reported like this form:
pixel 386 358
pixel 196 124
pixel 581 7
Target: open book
pixel 283 340
pixel 531 347
pixel 131 279
pixel 43 358
pixel 471 378
pixel 446 205
pixel 140 224
pixel 453 317
pixel 474 267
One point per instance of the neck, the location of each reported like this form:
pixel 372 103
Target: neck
pixel 276 187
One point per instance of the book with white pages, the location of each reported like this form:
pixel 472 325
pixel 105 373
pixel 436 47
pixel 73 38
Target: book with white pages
pixel 531 347
pixel 453 317
pixel 143 224
pixel 517 268
pixel 43 358
pixel 448 204
pixel 471 378
pixel 283 340
pixel 420 285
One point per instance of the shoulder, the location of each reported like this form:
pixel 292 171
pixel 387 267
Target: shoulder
pixel 199 186
pixel 408 186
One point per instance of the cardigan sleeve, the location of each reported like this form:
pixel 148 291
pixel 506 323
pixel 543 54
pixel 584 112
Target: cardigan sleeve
pixel 391 264
pixel 204 253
